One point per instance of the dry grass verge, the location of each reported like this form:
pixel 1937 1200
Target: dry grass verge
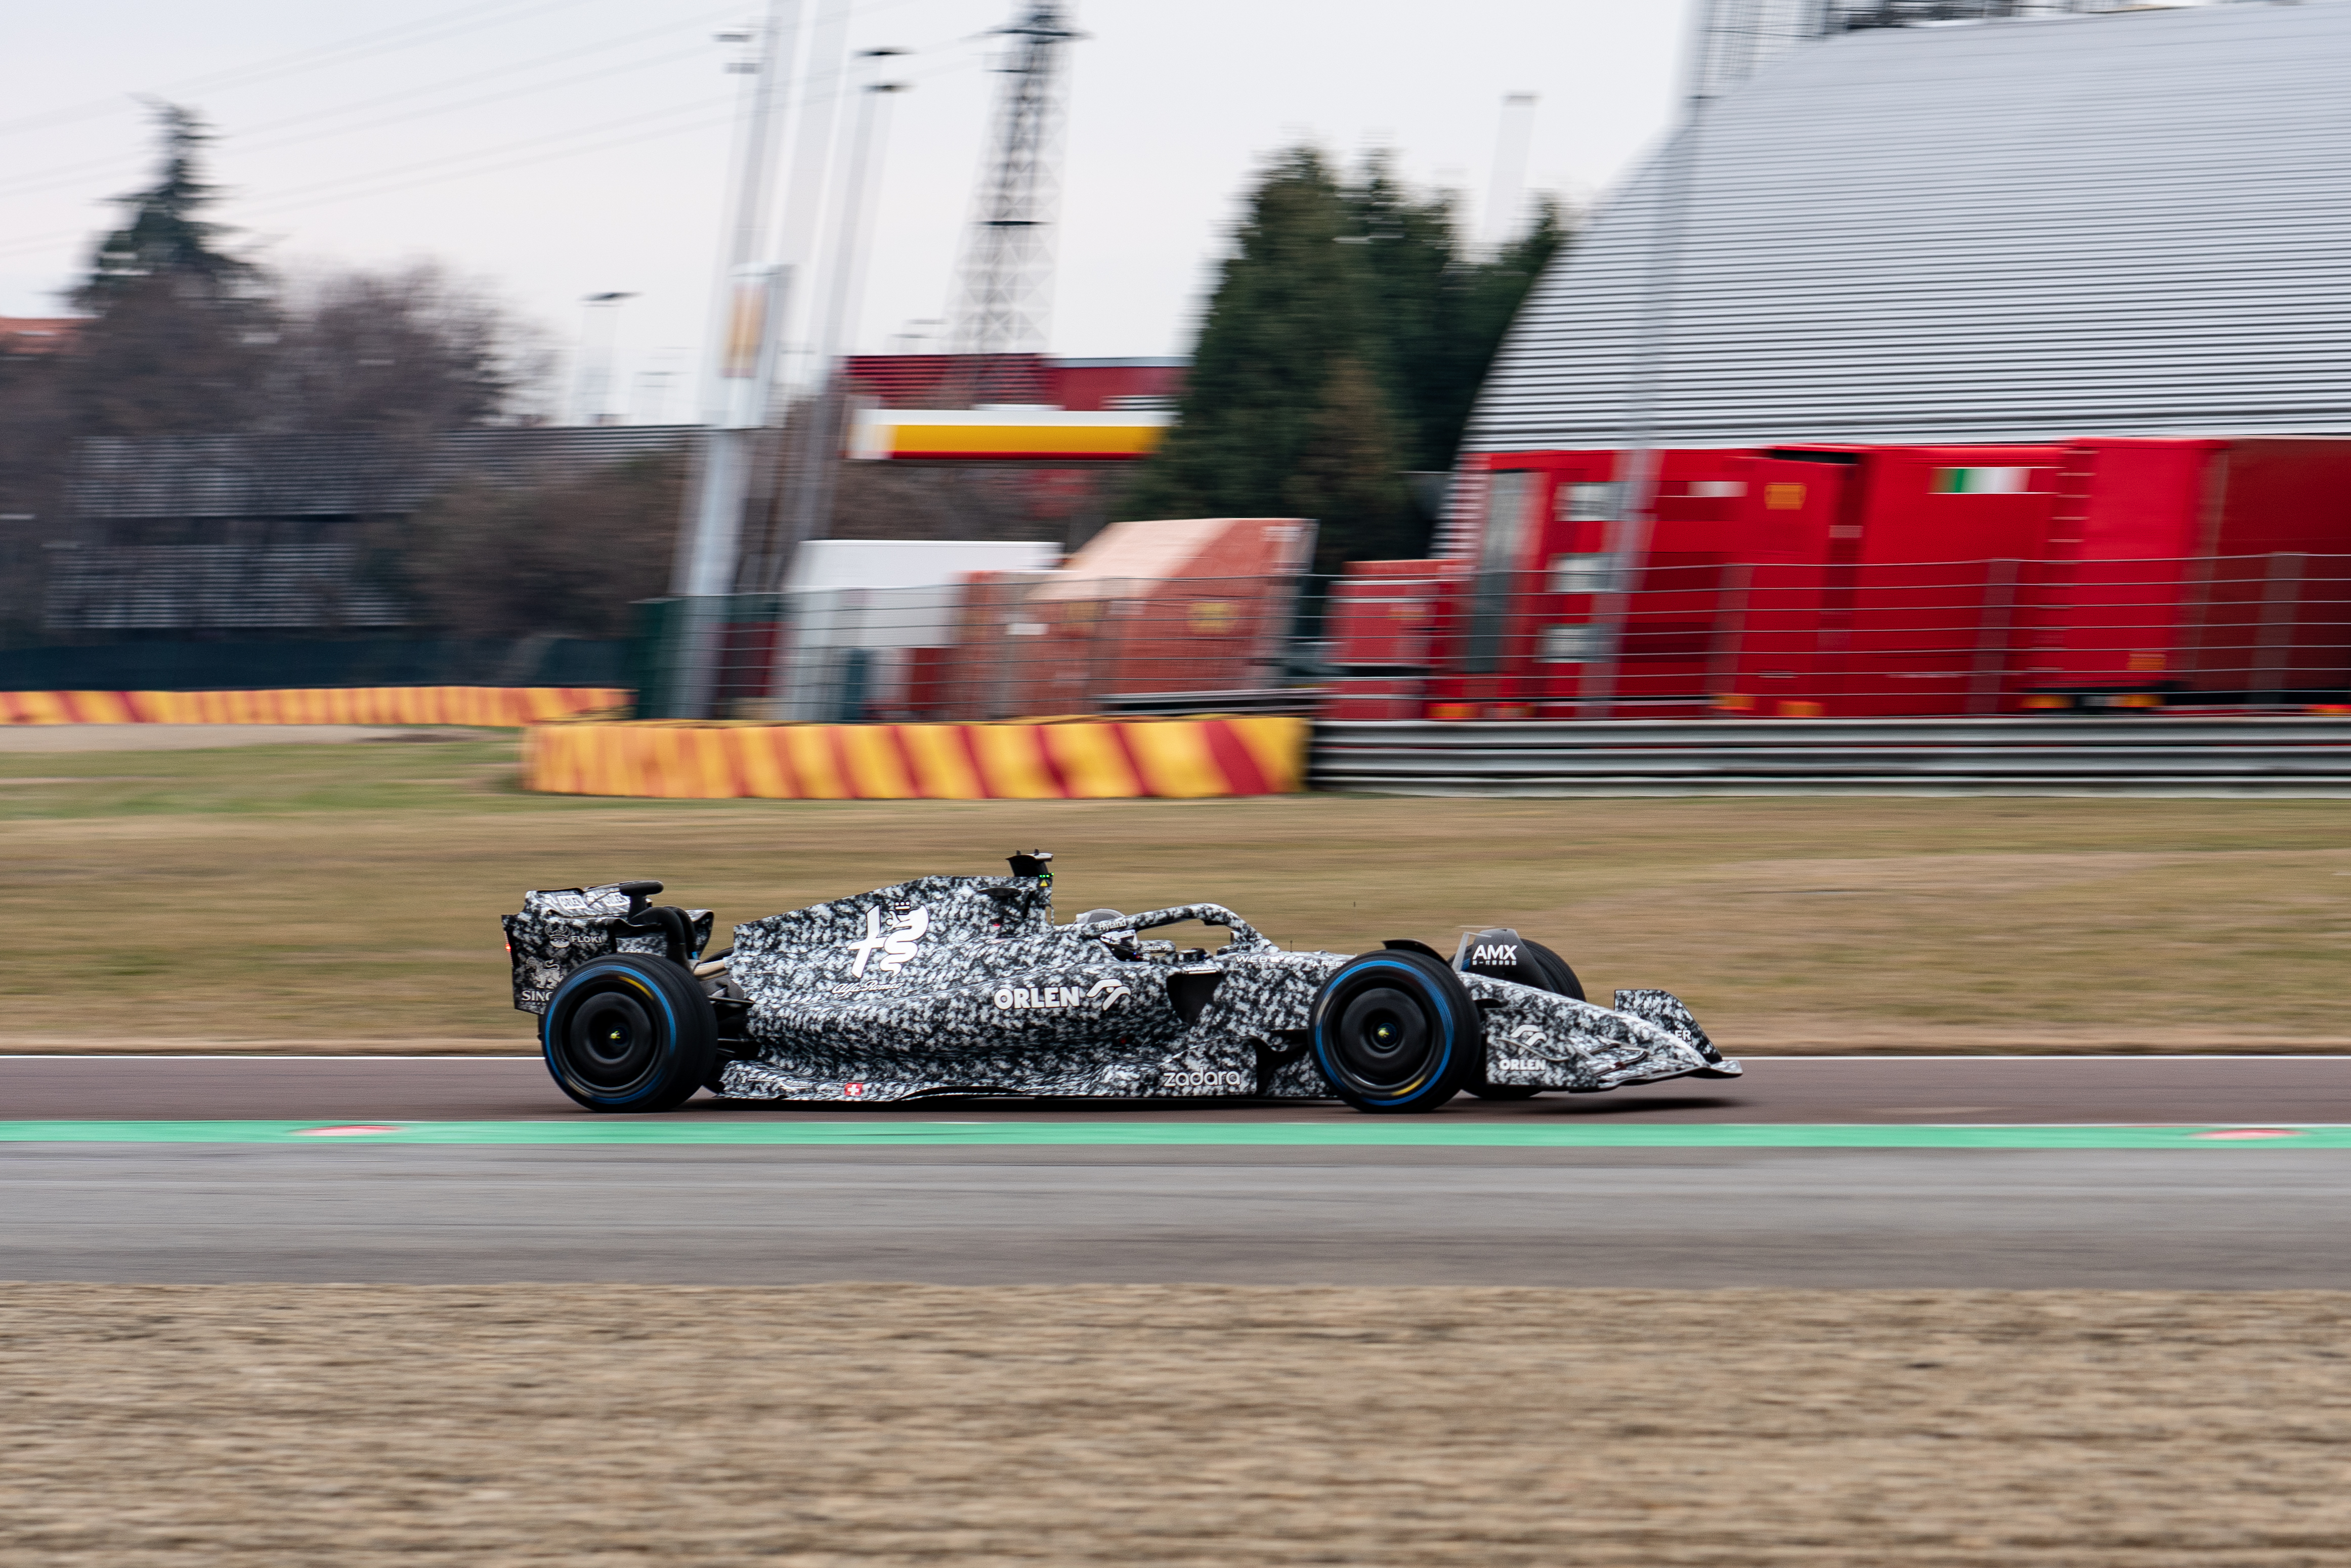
pixel 850 1424
pixel 333 897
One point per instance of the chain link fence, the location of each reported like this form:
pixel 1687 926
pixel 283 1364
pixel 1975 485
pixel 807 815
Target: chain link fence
pixel 1588 638
pixel 1003 645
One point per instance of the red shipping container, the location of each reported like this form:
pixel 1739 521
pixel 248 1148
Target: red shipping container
pixel 1795 516
pixel 1852 580
pixel 2206 566
pixel 1912 551
pixel 1188 605
pixel 1545 552
pixel 1793 580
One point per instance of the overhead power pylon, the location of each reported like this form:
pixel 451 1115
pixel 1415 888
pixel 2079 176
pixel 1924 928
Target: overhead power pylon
pixel 1005 284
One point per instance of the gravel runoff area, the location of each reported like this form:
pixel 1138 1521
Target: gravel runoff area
pixel 1176 1425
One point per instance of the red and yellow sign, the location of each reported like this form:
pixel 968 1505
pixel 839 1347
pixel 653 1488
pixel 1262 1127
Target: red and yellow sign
pixel 1055 759
pixel 494 707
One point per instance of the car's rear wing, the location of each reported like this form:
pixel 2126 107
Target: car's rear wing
pixel 561 929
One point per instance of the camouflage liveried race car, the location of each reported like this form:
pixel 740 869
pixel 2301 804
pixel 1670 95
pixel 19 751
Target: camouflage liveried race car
pixel 965 986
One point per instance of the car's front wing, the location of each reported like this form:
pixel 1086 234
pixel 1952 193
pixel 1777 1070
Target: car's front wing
pixel 1557 1042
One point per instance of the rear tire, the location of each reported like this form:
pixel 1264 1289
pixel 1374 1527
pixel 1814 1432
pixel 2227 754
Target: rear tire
pixel 1394 1031
pixel 629 1032
pixel 1559 980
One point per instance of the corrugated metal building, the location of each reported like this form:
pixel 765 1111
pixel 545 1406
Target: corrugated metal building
pixel 2008 230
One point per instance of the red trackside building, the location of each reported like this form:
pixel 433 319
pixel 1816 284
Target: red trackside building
pixel 1848 580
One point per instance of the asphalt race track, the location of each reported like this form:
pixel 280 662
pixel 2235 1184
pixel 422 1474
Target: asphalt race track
pixel 2189 1172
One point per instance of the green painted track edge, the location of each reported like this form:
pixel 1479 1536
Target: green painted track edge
pixel 1352 1133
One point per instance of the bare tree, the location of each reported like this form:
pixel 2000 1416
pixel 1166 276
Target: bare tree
pixel 189 338
pixel 408 350
pixel 565 556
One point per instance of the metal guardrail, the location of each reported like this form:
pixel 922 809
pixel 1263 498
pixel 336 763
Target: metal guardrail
pixel 1172 704
pixel 2254 753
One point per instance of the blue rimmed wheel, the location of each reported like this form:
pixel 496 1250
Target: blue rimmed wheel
pixel 629 1032
pixel 1394 1030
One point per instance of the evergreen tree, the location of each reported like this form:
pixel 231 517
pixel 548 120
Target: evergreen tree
pixel 191 339
pixel 166 235
pixel 1411 276
pixel 183 327
pixel 1288 307
pixel 1344 345
pixel 1476 301
pixel 1344 470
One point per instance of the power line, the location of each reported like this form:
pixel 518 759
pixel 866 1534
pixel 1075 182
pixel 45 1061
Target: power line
pixel 52 179
pixel 365 184
pixel 57 176
pixel 714 117
pixel 495 159
pixel 368 185
pixel 477 18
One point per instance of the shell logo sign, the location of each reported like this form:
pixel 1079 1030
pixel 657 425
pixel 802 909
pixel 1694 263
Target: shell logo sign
pixel 1005 435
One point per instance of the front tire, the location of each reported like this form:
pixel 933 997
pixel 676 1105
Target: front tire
pixel 1394 1031
pixel 1562 979
pixel 629 1032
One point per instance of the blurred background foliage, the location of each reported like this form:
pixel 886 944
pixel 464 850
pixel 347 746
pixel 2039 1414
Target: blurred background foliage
pixel 184 336
pixel 1342 350
pixel 1334 371
pixel 564 557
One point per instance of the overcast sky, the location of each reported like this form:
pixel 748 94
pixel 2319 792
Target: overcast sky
pixel 557 148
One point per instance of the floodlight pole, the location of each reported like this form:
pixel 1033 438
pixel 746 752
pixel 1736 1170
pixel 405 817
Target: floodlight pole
pixel 810 513
pixel 739 366
pixel 1506 193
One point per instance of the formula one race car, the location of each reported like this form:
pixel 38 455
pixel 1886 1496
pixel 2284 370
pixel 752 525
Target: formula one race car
pixel 964 986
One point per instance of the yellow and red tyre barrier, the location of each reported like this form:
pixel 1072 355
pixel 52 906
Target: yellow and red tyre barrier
pixel 1057 759
pixel 496 707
